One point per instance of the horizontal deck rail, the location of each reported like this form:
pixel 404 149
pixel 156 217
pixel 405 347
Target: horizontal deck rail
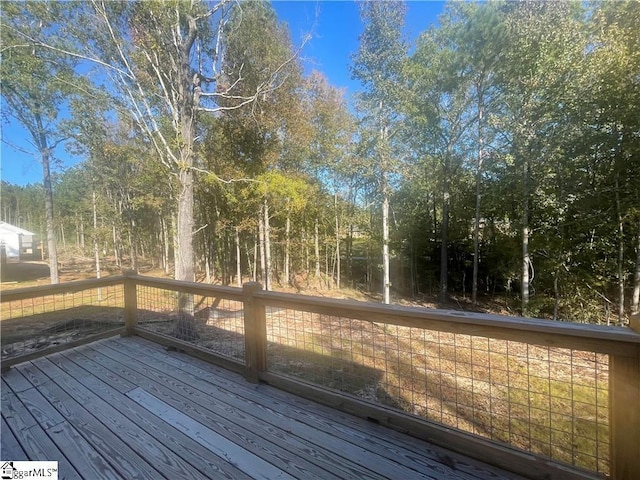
pixel 423 371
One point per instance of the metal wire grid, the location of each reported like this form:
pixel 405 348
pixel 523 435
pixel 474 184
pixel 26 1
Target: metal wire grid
pixel 206 321
pixel 548 401
pixel 35 323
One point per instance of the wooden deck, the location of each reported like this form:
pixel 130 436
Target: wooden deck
pixel 125 408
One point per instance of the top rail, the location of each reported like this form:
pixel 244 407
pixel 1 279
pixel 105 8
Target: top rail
pixel 619 341
pixel 66 287
pixel 229 293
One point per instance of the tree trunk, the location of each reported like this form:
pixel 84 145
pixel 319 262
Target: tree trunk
pixel 77 232
pixel 385 243
pixel 556 294
pixel 386 297
pixel 444 237
pixel 338 266
pixel 238 262
pixel 132 245
pixel 62 236
pixel 48 203
pixel 635 300
pixel 115 244
pixel 263 262
pixel 317 248
pixel 207 268
pixel 525 238
pixel 254 274
pixel 620 252
pixel 287 250
pixel 184 235
pixel 476 226
pixel 267 246
pixel 165 247
pixel 96 250
pixel 82 241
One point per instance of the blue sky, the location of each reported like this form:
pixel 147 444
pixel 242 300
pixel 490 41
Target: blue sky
pixel 335 27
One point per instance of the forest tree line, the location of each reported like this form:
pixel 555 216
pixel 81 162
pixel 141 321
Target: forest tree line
pixel 497 155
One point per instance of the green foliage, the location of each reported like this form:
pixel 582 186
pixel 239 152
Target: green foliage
pixel 507 107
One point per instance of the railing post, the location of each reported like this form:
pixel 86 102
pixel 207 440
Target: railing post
pixel 624 411
pixel 130 302
pixel 255 333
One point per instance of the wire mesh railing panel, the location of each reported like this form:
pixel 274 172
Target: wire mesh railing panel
pixel 210 322
pixel 44 321
pixel 549 401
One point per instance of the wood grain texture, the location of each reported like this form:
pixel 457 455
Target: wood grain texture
pixel 127 408
pixel 254 435
pixel 597 338
pixel 66 287
pixel 10 448
pixel 624 394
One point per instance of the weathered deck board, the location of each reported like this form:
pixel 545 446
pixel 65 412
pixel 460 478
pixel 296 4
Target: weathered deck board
pixel 380 440
pixel 9 445
pixel 258 414
pixel 228 421
pixel 127 408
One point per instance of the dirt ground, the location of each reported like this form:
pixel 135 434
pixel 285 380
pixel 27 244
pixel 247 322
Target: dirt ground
pixel 30 274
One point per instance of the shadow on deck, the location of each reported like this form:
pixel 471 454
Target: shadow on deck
pixel 129 408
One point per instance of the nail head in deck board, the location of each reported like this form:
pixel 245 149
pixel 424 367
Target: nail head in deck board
pixel 210 465
pixel 241 458
pixel 107 443
pixel 139 440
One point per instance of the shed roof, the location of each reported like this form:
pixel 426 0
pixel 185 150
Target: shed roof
pixel 8 228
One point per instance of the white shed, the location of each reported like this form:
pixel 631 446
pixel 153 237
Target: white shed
pixel 18 243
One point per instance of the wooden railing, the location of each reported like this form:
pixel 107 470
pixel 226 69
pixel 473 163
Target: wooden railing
pixel 616 351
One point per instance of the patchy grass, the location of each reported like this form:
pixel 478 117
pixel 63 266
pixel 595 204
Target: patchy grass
pixel 552 402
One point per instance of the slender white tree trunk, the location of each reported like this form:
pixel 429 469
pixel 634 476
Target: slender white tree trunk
pixel 476 226
pixel 635 299
pixel 287 250
pixel 317 248
pixel 620 253
pixel 132 245
pixel 526 259
pixel 82 241
pixel 96 249
pixel 385 247
pixel 267 246
pixel 263 262
pixel 166 248
pixel 62 236
pixel 386 282
pixel 338 265
pixel 238 263
pixel 444 239
pixel 114 233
